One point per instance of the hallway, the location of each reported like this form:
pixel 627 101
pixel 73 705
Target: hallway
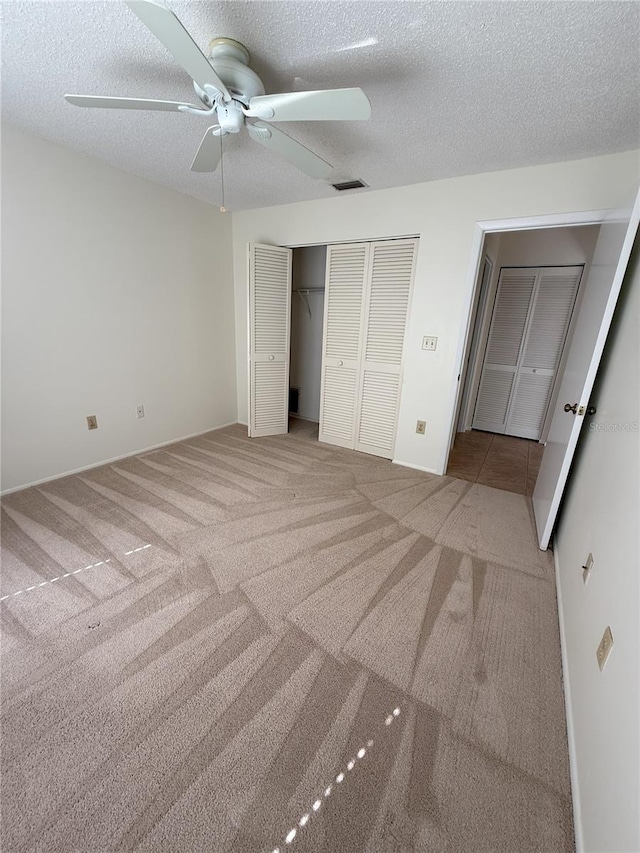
pixel 500 461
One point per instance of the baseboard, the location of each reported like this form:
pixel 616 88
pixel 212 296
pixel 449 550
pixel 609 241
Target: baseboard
pixel 415 467
pixel 573 765
pixel 114 459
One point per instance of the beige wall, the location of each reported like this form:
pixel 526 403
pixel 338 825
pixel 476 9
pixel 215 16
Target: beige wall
pixel 600 515
pixel 115 292
pixel 444 215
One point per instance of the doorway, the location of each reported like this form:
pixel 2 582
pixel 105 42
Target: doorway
pixel 307 318
pixel 527 292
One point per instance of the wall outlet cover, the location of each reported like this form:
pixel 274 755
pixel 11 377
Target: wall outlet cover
pixel 586 568
pixel 604 649
pixel 92 422
pixel 421 427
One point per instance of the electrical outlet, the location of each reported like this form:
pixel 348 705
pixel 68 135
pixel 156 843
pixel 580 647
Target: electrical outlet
pixel 586 568
pixel 604 649
pixel 140 411
pixel 92 422
pixel 421 427
pixel 429 342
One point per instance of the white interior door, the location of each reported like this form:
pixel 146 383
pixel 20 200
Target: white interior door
pixel 392 265
pixel 269 320
pixel 347 268
pixel 600 295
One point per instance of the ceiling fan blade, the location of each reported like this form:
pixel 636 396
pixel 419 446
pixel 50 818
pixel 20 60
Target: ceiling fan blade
pixel 167 27
pixel 208 154
pixel 287 148
pixel 125 103
pixel 324 105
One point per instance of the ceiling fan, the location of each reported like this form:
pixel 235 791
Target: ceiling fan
pixel 229 90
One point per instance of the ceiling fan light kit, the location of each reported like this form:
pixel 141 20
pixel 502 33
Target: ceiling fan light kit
pixel 227 88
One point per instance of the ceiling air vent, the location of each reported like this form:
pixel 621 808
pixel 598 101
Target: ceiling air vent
pixel 349 185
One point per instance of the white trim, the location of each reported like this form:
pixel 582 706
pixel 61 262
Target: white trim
pixel 490 226
pixel 116 458
pixel 554 220
pixel 355 240
pixel 566 686
pixel 416 467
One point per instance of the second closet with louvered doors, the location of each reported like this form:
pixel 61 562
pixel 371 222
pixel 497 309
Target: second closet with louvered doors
pixel 368 288
pixel 529 326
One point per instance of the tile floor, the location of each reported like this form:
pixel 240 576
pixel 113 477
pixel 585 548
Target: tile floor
pixel 500 461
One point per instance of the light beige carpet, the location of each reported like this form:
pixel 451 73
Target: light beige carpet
pixel 228 643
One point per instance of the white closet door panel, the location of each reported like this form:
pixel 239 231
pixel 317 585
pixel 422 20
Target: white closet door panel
pixel 384 324
pixel 346 270
pixel 269 310
pixel 392 265
pixel 554 301
pixel 271 382
pixel 530 401
pixel 378 413
pixel 346 276
pixel 509 319
pixel 492 404
pixel 337 420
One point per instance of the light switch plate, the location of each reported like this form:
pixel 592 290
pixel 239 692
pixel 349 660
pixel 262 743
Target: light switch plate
pixel 429 342
pixel 92 422
pixel 604 649
pixel 421 427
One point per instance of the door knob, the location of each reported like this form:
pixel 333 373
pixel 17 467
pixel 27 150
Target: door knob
pixel 340 363
pixel 569 408
pixel 591 410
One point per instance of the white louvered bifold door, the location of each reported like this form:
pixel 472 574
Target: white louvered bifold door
pixel 552 306
pixel 392 265
pixel 346 275
pixel 269 309
pixel 506 337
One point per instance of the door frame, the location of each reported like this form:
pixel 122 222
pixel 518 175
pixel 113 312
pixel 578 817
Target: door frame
pixel 474 281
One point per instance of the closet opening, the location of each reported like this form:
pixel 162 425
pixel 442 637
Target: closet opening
pixel 307 320
pixel 326 337
pixel 528 293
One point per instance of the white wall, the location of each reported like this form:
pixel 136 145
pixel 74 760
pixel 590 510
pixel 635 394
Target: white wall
pixel 309 266
pixel 115 292
pixel 444 215
pixel 548 246
pixel 600 515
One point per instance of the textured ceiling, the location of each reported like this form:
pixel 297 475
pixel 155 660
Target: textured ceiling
pixel 456 87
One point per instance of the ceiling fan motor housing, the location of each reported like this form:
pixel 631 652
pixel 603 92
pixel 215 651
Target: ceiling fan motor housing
pixel 229 59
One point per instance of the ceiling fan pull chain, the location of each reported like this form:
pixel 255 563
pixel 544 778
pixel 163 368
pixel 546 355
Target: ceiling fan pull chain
pixel 223 209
